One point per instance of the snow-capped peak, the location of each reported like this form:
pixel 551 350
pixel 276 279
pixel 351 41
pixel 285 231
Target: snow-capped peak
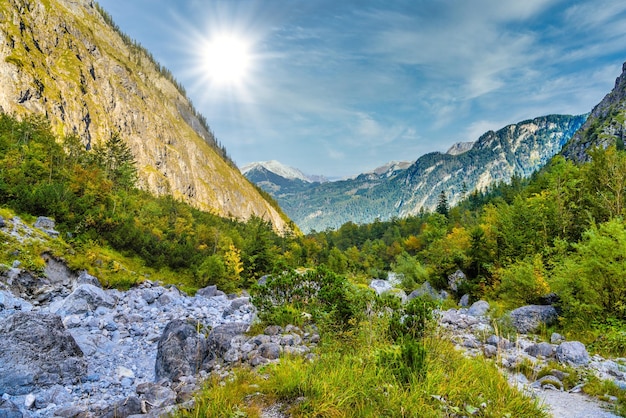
pixel 279 169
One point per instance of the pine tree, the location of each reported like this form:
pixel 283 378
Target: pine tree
pixel 442 204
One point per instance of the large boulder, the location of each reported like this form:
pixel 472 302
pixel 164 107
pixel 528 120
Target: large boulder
pixel 180 351
pixel 529 318
pixel 36 351
pixel 86 298
pixel 573 353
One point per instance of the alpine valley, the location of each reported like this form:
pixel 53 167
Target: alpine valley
pixel 400 189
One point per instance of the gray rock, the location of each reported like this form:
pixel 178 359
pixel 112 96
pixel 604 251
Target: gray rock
pixel 36 351
pixel 71 411
pixel 478 308
pixel 9 410
pixel 291 340
pixel 573 353
pixel 220 337
pixel 272 330
pixel 207 292
pixel 490 351
pixel 2 223
pixel 542 349
pixel 124 408
pixel 56 395
pixel 235 304
pixel 180 351
pixel 529 318
pixel 455 279
pixel 86 278
pixel 86 298
pixel 425 289
pixel 464 302
pixel 556 338
pixel 47 225
pixel 380 286
pixel 157 396
pixel 270 351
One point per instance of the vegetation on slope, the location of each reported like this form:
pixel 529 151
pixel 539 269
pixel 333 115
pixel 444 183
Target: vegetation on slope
pixel 93 198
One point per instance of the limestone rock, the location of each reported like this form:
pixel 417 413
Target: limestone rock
pixel 180 351
pixel 46 225
pixel 86 298
pixel 425 289
pixel 380 286
pixel 455 279
pixel 37 351
pixel 572 352
pixel 478 308
pixel 529 318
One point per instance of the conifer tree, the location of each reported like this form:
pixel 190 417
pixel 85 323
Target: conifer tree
pixel 442 205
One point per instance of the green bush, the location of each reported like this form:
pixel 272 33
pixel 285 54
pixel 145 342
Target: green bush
pixel 592 281
pixel 412 320
pixel 327 297
pixel 523 282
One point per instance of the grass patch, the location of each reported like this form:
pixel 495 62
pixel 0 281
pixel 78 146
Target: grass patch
pixel 347 380
pixel 606 390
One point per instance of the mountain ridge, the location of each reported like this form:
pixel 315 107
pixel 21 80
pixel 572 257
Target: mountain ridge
pixel 605 126
pixel 400 191
pixel 66 60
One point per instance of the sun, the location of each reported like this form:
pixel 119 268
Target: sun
pixel 227 59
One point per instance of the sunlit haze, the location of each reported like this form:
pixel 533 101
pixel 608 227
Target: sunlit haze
pixel 227 59
pixel 341 87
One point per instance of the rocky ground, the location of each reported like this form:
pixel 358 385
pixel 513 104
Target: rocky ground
pixel 72 349
pixel 473 332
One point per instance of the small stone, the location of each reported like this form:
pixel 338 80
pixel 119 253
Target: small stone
pixel 556 338
pixel 464 302
pixel 29 401
pixel 490 350
pixel 272 330
pixel 540 350
pixel 270 351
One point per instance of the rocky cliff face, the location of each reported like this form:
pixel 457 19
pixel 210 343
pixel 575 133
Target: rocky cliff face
pixel 398 190
pixel 64 60
pixel 605 126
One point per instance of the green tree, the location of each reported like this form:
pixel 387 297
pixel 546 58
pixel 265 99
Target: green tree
pixel 443 207
pixel 592 280
pixel 117 160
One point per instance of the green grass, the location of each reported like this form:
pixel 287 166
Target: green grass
pixel 347 381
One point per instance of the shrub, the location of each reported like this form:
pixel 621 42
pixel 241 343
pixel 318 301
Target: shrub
pixel 523 282
pixel 321 293
pixel 592 281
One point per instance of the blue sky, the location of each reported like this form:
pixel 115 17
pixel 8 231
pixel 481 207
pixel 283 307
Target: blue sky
pixel 339 87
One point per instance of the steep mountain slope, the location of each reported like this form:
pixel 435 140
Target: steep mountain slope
pixel 65 59
pixel 605 126
pixel 398 190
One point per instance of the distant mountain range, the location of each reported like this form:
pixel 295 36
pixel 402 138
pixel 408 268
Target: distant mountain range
pixel 399 189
